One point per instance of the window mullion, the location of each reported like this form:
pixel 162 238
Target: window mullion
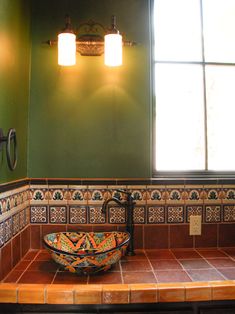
pixel 204 87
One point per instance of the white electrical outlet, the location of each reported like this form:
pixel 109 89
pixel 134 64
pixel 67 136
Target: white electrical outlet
pixel 195 225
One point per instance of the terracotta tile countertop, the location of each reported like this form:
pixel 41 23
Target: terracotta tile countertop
pixel 181 275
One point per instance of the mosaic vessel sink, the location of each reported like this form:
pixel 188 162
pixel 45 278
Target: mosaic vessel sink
pixel 86 252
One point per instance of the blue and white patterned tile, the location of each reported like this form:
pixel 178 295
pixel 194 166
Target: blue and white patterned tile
pixel 155 194
pixel 138 193
pixel 213 194
pixel 27 215
pixel 96 216
pixel 95 195
pixel 57 194
pixel 38 194
pixel 212 213
pixel 58 214
pixel 22 219
pixel 8 229
pixel 175 194
pixel 139 215
pixel 78 215
pixel 156 215
pixel 175 214
pixel 229 213
pixel 192 210
pixel 194 194
pixel 2 233
pixel 116 215
pixel 77 195
pixel 15 223
pixel 39 214
pixel 228 194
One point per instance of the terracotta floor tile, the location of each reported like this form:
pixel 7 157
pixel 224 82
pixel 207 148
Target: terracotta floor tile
pixel 22 265
pixel 159 254
pixel 186 254
pixel 204 274
pixel 165 264
pixel 229 273
pixel 210 253
pixel 138 277
pixel 197 263
pixel 135 266
pixel 221 262
pixel 172 276
pixel 30 255
pixel 13 276
pixel 105 278
pixel 37 277
pixel 43 266
pixel 69 278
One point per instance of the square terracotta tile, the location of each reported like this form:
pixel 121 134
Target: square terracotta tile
pixel 172 276
pixel 30 255
pixel 222 262
pixel 43 255
pixel 208 238
pixel 37 277
pixel 197 263
pixel 156 238
pixel 159 254
pixel 179 236
pixel 105 278
pixel 226 235
pixel 186 254
pixel 229 251
pixel 210 253
pixel 137 265
pixel 67 277
pixel 22 265
pixel 13 276
pixel 204 274
pixel 139 277
pixel 166 264
pixel 6 259
pixel 139 255
pixel 228 273
pixel 35 235
pixel 43 266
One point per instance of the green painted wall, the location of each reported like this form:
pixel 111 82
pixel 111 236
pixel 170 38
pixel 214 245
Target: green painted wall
pixel 14 80
pixel 90 120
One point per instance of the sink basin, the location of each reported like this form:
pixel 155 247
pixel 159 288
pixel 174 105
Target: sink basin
pixel 86 252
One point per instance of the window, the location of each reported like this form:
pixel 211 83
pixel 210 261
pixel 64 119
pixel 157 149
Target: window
pixel 194 85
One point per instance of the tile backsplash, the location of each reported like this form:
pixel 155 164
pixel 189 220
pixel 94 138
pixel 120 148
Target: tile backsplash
pixel 161 215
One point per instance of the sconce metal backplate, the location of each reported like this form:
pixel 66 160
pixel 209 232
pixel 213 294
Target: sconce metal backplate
pixel 90 39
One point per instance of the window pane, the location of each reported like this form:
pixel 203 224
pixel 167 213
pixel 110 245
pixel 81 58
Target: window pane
pixel 179 117
pixel 220 117
pixel 219 30
pixel 177 30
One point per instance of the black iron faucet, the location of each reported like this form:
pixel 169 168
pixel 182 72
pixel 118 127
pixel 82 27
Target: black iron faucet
pixel 128 203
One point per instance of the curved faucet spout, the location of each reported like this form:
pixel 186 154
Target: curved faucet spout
pixel 112 199
pixel 129 207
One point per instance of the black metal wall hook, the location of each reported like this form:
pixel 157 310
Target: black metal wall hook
pixel 10 138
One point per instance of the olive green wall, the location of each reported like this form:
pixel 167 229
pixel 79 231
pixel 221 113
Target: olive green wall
pixel 90 120
pixel 14 80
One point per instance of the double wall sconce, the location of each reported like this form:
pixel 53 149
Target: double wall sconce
pixel 91 39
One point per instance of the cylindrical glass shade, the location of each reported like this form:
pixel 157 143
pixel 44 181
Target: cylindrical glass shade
pixel 113 50
pixel 66 49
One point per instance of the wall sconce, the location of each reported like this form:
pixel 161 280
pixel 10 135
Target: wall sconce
pixel 90 39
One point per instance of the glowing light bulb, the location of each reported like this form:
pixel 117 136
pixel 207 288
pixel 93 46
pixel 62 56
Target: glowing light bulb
pixel 113 50
pixel 66 49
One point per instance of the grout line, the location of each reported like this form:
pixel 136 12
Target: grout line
pixel 151 266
